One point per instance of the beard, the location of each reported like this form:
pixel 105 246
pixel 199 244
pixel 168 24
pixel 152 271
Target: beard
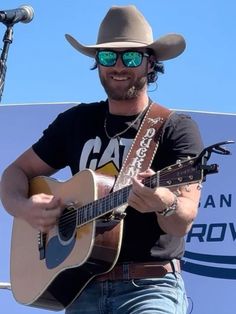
pixel 125 93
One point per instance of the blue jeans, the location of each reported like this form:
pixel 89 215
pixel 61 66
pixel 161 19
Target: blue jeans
pixel 137 296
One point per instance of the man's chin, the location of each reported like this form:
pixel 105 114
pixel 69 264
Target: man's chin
pixel 125 95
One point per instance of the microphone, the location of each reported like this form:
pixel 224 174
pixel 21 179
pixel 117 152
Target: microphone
pixel 23 14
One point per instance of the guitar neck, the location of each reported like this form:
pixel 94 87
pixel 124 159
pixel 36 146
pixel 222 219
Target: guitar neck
pixel 108 203
pixel 175 175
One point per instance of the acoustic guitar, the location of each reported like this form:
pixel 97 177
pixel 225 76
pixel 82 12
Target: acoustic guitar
pixel 49 270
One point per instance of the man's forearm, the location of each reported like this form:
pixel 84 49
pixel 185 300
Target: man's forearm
pixel 180 222
pixel 14 190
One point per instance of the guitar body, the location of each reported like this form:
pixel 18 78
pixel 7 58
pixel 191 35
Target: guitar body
pixel 53 278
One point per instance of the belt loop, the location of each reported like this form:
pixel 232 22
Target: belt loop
pixel 126 274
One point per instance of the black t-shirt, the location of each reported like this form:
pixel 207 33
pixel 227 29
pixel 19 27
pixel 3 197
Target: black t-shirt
pixel 77 139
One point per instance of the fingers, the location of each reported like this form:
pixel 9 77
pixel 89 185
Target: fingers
pixel 50 214
pixel 43 211
pixel 53 202
pixel 139 195
pixel 145 174
pixel 146 199
pixel 45 201
pixel 140 189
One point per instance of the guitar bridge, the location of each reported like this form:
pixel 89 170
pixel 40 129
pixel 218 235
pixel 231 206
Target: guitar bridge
pixel 42 245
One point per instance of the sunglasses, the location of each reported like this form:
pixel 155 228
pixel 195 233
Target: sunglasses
pixel 130 59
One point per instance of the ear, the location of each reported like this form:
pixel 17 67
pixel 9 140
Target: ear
pixel 151 63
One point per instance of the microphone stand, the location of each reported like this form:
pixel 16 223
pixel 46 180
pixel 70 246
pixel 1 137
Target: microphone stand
pixel 7 39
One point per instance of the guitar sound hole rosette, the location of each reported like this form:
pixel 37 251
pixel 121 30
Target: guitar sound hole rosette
pixel 67 224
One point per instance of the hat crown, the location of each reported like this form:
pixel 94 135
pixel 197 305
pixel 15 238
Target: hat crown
pixel 124 24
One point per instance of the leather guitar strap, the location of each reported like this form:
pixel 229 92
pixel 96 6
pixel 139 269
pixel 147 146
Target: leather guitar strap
pixel 143 148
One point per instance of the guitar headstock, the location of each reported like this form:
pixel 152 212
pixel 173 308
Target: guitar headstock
pixel 191 170
pixel 182 172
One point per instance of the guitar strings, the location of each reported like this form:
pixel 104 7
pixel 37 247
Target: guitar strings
pixel 81 216
pixel 87 213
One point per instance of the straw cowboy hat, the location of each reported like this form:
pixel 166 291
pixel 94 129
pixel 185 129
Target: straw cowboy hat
pixel 126 27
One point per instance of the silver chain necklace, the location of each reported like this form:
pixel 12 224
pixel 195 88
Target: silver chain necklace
pixel 125 130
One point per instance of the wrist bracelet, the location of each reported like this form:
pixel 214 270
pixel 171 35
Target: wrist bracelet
pixel 170 209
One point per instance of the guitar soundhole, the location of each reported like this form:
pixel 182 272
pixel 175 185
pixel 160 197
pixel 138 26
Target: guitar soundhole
pixel 67 224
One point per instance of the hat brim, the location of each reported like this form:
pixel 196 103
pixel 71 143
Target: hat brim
pixel 167 47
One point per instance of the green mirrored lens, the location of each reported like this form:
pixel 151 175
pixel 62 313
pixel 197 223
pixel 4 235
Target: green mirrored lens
pixel 132 59
pixel 107 58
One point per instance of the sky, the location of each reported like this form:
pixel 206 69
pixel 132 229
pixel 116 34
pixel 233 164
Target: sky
pixel 43 68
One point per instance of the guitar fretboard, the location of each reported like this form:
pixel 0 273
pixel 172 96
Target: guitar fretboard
pixel 181 173
pixel 108 203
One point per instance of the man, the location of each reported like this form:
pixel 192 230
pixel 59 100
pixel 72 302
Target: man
pixel 98 136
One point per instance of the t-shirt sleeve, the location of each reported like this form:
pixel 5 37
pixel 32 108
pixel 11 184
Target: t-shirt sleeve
pixel 182 137
pixel 52 146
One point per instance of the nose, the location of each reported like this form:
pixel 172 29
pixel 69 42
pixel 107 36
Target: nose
pixel 119 63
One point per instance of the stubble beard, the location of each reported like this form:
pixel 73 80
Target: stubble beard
pixel 124 94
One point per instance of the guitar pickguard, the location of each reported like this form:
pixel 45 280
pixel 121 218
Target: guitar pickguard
pixel 56 253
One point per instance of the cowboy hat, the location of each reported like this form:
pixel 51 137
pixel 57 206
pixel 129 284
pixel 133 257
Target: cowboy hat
pixel 126 27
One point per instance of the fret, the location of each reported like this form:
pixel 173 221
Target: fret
pixel 107 203
pixel 98 208
pixel 80 215
pixel 121 197
pixel 112 200
pixel 90 211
